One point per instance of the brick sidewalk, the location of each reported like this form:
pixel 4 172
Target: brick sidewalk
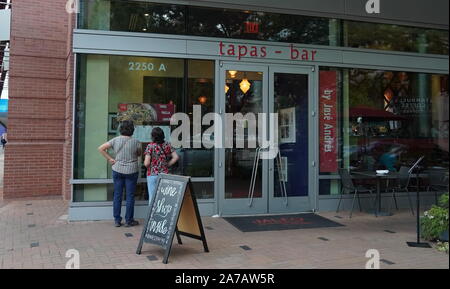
pixel 36 234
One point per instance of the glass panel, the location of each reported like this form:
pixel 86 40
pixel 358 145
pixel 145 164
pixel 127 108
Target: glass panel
pixel 104 193
pixel 265 26
pixel 203 190
pixel 395 37
pixel 95 14
pixel 291 104
pixel 244 94
pixel 329 187
pixel 132 16
pixel 198 161
pixel 147 91
pixel 388 119
pixel 145 17
pixel 401 117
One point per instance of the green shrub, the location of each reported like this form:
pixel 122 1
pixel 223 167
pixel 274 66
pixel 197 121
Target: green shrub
pixel 443 201
pixel 442 247
pixel 435 221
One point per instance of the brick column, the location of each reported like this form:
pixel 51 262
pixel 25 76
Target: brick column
pixel 40 91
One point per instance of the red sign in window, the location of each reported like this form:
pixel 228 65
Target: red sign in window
pixel 328 122
pixel 251 27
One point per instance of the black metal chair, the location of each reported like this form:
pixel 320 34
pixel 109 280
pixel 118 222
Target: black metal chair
pixel 401 185
pixel 438 182
pixel 349 187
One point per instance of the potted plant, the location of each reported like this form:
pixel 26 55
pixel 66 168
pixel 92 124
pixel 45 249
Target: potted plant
pixel 434 223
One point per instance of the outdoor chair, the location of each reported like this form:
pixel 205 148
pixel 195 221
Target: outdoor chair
pixel 438 182
pixel 349 187
pixel 401 185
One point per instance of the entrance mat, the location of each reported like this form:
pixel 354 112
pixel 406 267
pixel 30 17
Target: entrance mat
pixel 281 222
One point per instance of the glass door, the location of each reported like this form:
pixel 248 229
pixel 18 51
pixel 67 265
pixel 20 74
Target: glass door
pixel 290 184
pixel 249 185
pixel 244 178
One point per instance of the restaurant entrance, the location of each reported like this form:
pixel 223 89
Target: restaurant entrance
pixel 252 185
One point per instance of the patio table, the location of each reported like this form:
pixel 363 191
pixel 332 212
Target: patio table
pixel 378 177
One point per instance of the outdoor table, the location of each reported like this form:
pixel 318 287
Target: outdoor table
pixel 378 177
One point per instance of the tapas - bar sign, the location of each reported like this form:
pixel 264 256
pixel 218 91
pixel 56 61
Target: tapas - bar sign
pixel 291 52
pixel 328 122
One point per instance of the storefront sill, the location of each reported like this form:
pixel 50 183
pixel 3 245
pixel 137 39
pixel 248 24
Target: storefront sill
pixel 140 181
pixel 383 195
pixel 137 203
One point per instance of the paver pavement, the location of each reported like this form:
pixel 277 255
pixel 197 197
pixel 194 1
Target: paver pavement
pixel 35 233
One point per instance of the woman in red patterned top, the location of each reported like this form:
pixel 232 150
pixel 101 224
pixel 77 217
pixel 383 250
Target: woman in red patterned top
pixel 156 159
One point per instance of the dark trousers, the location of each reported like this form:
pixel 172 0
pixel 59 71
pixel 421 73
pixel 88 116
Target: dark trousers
pixel 129 182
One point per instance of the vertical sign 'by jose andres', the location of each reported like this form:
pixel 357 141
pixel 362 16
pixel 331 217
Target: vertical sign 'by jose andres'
pixel 173 211
pixel 328 122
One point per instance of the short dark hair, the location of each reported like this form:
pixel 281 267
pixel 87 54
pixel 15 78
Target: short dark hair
pixel 127 128
pixel 158 135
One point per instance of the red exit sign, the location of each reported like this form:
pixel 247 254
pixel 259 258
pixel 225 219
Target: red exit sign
pixel 251 27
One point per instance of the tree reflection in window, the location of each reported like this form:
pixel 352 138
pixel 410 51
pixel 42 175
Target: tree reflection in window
pixel 395 37
pixel 147 17
pixel 271 26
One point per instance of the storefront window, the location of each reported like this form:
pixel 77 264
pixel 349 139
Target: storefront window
pixel 132 16
pixel 90 193
pixel 147 91
pixel 147 17
pixel 367 116
pixel 395 38
pixel 264 26
pixel 379 114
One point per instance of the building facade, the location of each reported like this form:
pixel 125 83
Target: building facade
pixel 352 89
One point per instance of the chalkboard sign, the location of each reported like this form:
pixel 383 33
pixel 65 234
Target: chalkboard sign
pixel 173 211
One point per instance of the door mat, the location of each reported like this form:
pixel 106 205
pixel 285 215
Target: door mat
pixel 281 222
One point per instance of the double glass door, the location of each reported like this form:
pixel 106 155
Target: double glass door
pixel 250 183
